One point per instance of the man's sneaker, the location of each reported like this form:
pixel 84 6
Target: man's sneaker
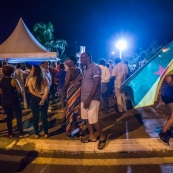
pixel 170 133
pixel 164 137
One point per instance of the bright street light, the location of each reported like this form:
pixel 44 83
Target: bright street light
pixel 121 45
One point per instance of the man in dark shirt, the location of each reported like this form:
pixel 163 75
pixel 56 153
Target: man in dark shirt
pixel 60 77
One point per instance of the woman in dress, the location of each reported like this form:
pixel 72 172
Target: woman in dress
pixel 39 89
pixel 72 88
pixel 10 90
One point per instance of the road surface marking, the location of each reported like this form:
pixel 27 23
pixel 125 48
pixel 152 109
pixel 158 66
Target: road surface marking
pixel 106 162
pixel 89 162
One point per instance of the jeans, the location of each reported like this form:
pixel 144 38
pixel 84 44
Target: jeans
pixel 105 96
pixel 28 96
pixel 36 110
pixel 17 112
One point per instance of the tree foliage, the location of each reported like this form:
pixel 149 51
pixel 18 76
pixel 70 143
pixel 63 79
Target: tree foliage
pixel 143 55
pixel 44 33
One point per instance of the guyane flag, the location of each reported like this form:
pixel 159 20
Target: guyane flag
pixel 144 85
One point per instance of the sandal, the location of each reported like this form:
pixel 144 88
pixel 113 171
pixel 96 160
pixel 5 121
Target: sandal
pixel 102 143
pixel 87 140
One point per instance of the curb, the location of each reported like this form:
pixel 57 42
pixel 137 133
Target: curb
pixel 112 146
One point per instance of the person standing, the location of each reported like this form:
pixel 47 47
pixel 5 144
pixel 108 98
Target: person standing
pixel 39 89
pixel 111 66
pixel 29 73
pixel 72 90
pixel 47 74
pixel 105 78
pixel 120 73
pixel 129 71
pixel 10 90
pixel 20 75
pixel 90 99
pixel 167 98
pixel 60 79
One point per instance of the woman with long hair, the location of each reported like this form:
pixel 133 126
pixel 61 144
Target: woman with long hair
pixel 72 88
pixel 39 89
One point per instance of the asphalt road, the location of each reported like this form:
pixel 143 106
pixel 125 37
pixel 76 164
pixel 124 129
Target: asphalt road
pixel 134 125
pixel 138 162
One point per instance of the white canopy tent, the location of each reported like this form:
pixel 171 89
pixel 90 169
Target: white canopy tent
pixel 22 46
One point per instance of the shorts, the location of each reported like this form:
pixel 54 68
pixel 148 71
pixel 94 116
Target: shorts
pixel 90 114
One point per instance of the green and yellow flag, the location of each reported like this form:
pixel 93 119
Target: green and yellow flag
pixel 144 85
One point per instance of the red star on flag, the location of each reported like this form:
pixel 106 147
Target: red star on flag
pixel 161 70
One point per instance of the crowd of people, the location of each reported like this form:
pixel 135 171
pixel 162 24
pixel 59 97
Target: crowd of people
pixel 79 86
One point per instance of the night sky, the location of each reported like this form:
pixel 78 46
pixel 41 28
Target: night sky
pixel 96 24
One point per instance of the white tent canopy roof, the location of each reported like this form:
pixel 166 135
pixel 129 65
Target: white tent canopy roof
pixel 22 44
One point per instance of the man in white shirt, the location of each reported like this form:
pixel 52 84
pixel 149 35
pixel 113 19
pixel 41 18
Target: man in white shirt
pixel 105 78
pixel 45 66
pixel 20 75
pixel 120 72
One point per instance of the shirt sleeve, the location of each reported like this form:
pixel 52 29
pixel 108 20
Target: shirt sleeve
pixel 97 72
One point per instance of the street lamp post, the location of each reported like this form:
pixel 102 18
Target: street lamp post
pixel 121 45
pixel 120 53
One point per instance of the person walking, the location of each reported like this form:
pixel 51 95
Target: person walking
pixel 120 73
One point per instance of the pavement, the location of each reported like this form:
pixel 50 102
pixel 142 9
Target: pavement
pixel 134 131
pixel 132 143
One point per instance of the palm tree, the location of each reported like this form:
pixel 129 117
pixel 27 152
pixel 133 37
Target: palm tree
pixel 60 45
pixel 45 35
